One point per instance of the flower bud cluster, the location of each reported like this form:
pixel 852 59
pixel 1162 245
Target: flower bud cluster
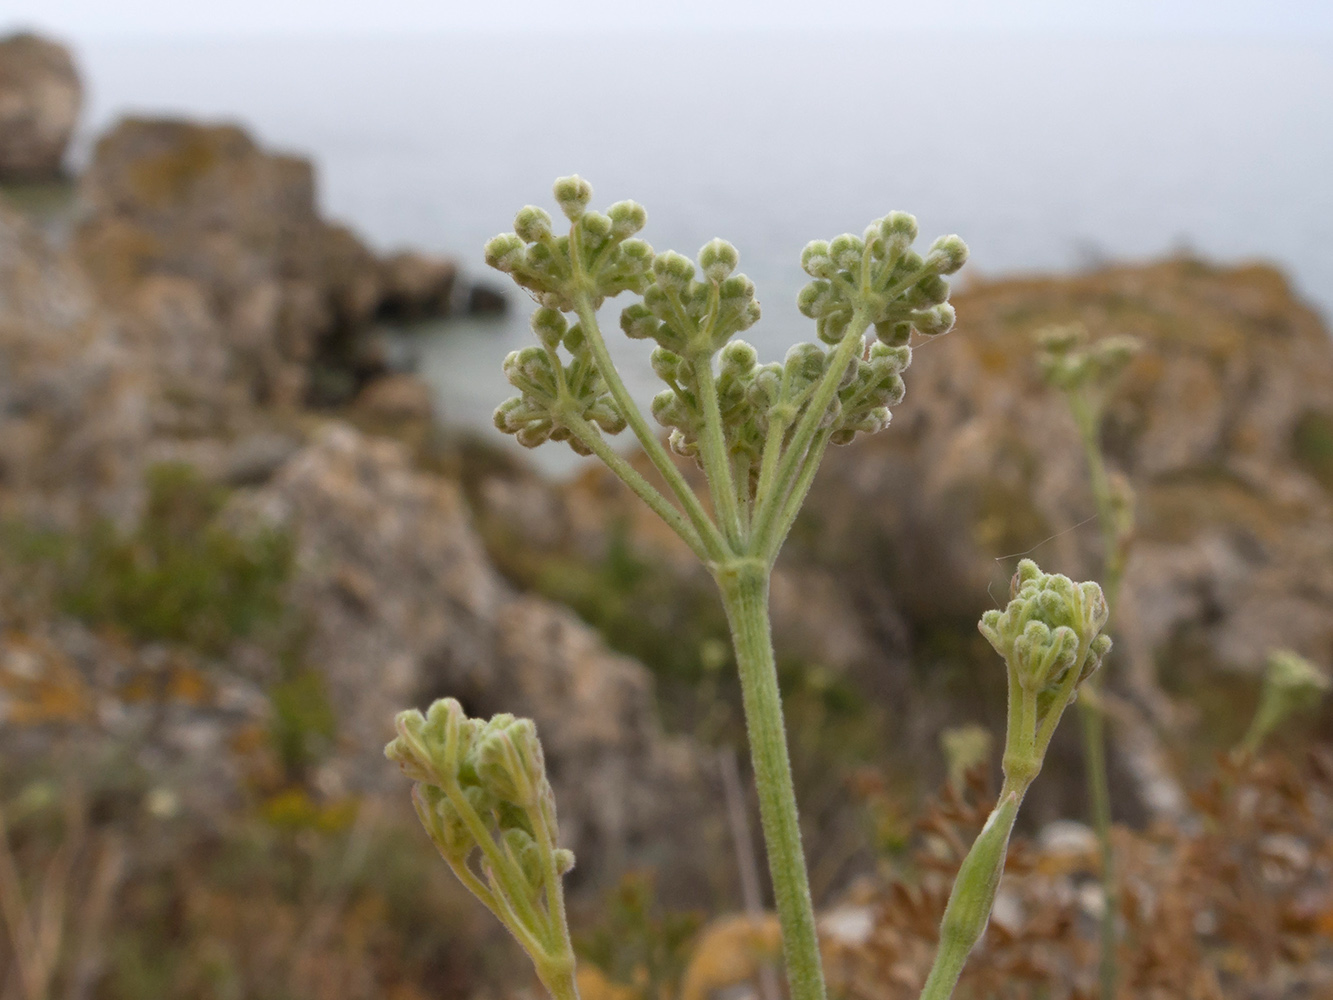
pixel 550 390
pixel 600 255
pixel 1051 626
pixel 692 317
pixel 879 272
pixel 1071 363
pixel 873 383
pixel 482 786
pixel 1291 684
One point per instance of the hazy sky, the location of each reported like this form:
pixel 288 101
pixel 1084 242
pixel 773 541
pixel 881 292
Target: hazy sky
pixel 1302 19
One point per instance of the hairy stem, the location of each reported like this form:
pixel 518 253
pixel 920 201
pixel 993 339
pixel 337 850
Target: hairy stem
pixel 973 895
pixel 744 587
pixel 713 449
pixel 770 504
pixel 559 980
pixel 708 533
pixel 801 489
pixel 643 489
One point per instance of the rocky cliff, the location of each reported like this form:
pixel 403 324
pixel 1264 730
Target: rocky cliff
pixel 40 97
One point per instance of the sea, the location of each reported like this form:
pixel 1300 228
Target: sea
pixel 1047 154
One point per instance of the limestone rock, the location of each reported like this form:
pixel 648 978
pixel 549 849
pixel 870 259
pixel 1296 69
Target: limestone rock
pixel 396 398
pixel 1217 423
pixel 40 96
pixel 404 607
pixel 200 220
pixel 73 407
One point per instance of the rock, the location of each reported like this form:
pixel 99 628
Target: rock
pixel 255 458
pixel 74 413
pixel 277 290
pixel 416 286
pixel 483 300
pixel 1234 553
pixel 396 399
pixel 403 607
pixel 40 97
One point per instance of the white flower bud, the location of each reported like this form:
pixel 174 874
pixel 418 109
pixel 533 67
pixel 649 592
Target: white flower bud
pixel 934 321
pixel 639 323
pixel 817 261
pixel 549 325
pixel 595 230
pixel 505 252
pixel 947 255
pixel 847 251
pixel 573 194
pixel 717 259
pixel 673 271
pixel 532 224
pixel 627 218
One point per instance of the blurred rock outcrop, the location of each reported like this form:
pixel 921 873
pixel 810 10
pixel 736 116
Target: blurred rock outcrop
pixel 215 249
pixel 404 606
pixel 40 97
pixel 216 254
pixel 1223 424
pixel 73 406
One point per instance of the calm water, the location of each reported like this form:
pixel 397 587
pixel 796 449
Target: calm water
pixel 1044 154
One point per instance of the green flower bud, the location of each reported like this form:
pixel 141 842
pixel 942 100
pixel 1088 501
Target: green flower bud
pixel 817 260
pixel 636 255
pixel 1061 339
pixel 815 298
pixel 947 255
pixel 894 333
pixel 805 362
pixel 574 341
pixel 931 290
pixel 667 364
pixel 550 327
pixel 595 230
pixel 505 252
pixel 673 271
pixel 899 229
pixel 532 224
pixel 847 251
pixel 1046 623
pixel 717 259
pixel 509 760
pixel 932 322
pixel 639 323
pixel 573 194
pixel 627 218
pixel 894 359
pixel 1299 681
pixel 739 356
pixel 737 287
pixel 1291 684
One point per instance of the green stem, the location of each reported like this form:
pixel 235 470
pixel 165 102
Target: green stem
pixel 973 895
pixel 643 489
pixel 796 499
pixel 713 447
pixel 771 503
pixel 708 533
pixel 744 588
pixel 559 980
